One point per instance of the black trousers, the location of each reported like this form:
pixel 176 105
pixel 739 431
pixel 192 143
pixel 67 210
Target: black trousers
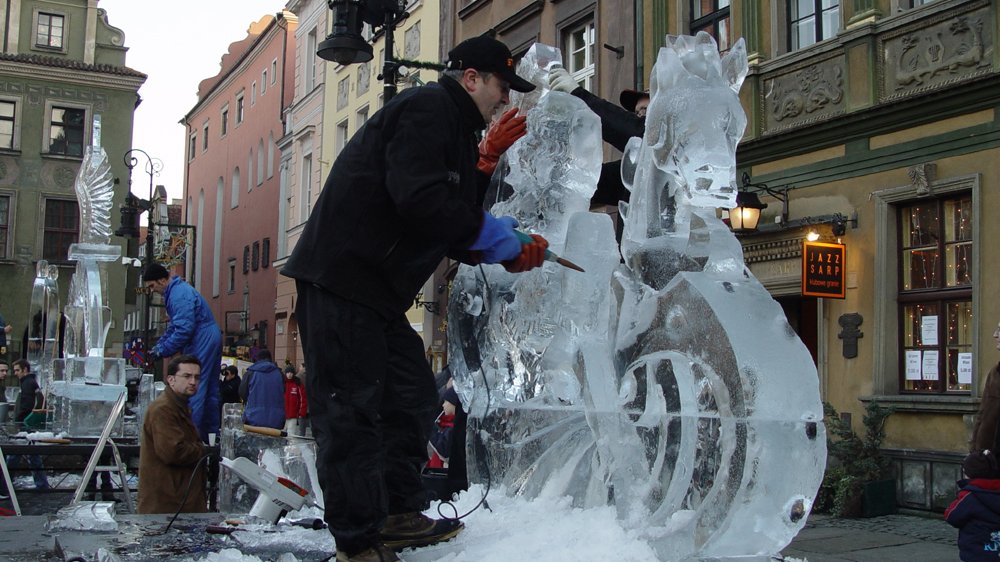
pixel 372 403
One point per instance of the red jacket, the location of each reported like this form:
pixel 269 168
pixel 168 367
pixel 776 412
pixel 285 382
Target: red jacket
pixel 295 399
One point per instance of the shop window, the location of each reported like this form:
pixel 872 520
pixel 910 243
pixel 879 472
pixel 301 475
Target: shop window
pixel 62 225
pixel 811 21
pixel 712 17
pixel 935 294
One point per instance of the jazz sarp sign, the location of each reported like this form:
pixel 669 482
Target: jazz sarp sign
pixel 823 269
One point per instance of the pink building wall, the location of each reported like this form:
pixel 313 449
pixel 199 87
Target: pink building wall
pixel 260 70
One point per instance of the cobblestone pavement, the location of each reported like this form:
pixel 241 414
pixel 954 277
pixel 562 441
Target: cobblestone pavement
pixel 931 528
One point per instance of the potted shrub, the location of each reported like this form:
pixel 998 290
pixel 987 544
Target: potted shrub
pixel 861 481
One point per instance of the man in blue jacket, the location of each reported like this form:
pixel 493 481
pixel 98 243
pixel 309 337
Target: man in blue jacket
pixel 263 392
pixel 405 192
pixel 192 331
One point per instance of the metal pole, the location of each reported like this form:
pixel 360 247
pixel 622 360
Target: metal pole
pixel 152 168
pixel 389 66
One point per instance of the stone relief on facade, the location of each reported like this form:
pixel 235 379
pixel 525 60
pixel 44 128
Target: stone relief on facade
pixel 411 42
pixel 806 95
pixel 343 88
pixel 364 77
pixel 921 178
pixel 944 52
pixel 58 174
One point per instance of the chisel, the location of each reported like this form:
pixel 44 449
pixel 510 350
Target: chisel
pixel 549 254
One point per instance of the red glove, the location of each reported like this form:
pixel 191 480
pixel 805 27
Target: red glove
pixel 532 256
pixel 498 139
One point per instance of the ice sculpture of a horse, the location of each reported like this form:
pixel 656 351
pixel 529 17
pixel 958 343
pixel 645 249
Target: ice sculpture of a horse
pixel 671 385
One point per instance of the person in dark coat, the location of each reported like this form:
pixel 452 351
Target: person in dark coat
pixel 618 125
pixel 28 400
pixel 403 194
pixel 170 449
pixel 192 331
pixel 263 391
pixel 984 430
pixel 229 388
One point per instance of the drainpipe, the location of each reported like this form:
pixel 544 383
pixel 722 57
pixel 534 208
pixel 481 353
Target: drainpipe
pixel 283 24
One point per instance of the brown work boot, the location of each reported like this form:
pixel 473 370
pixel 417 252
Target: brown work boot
pixel 377 553
pixel 411 530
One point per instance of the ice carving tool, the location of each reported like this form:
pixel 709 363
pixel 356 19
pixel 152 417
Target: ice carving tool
pixel 549 254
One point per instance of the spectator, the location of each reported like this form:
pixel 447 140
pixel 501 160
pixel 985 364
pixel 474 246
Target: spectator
pixel 229 388
pixel 171 475
pixel 295 403
pixel 193 331
pixel 31 398
pixel 263 392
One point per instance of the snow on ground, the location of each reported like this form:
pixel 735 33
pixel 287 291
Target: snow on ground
pixel 548 530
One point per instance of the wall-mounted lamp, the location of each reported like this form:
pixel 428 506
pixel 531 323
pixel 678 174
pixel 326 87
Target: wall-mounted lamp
pixel 812 236
pixel 744 218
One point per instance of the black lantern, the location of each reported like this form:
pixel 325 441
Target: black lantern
pixel 745 216
pixel 346 45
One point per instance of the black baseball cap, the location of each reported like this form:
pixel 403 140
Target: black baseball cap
pixel 486 54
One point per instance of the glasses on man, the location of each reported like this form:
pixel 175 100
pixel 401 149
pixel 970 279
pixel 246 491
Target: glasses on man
pixel 187 376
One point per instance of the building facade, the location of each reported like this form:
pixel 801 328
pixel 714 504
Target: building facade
pixel 231 185
pixel 62 65
pixel 303 166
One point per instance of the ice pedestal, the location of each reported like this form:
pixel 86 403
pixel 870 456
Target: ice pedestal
pixel 83 392
pixel 291 458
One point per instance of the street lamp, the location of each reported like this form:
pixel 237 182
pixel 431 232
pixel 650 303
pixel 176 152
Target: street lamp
pixel 346 45
pixel 130 212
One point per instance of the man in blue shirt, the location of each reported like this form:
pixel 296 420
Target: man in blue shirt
pixel 192 331
pixel 263 391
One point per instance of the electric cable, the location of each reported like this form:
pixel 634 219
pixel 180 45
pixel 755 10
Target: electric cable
pixel 489 475
pixel 187 492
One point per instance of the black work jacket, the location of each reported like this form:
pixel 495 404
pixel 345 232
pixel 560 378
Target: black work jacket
pixel 402 195
pixel 618 125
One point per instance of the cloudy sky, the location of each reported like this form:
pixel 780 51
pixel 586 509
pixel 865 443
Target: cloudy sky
pixel 177 44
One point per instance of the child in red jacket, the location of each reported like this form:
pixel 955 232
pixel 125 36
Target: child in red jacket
pixel 295 403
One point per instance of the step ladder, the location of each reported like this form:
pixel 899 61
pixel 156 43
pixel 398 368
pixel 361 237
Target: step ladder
pixel 10 485
pixel 95 456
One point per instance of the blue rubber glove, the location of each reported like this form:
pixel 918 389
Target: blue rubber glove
pixel 497 240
